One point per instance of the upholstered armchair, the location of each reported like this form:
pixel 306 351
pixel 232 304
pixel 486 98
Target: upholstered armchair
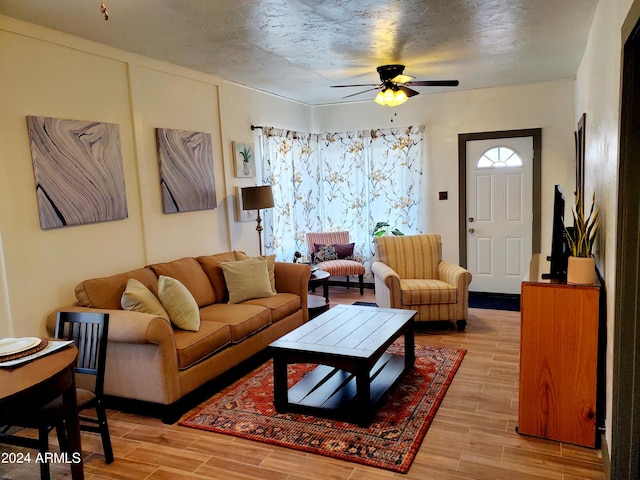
pixel 338 267
pixel 410 273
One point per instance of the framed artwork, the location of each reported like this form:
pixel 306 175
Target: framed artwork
pixel 78 171
pixel 244 159
pixel 186 170
pixel 243 215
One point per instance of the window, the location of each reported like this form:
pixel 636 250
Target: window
pixel 499 157
pixel 349 181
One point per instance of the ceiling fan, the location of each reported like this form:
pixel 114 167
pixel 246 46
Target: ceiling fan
pixel 394 86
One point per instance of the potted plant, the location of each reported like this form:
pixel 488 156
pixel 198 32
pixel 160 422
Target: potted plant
pixel 581 265
pixel 246 158
pixel 380 229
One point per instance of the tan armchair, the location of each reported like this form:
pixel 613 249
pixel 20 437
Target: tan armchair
pixel 410 273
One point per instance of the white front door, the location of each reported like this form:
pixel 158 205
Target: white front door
pixel 500 212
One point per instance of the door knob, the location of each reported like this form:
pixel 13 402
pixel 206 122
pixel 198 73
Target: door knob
pixel 471 230
pixel 471 219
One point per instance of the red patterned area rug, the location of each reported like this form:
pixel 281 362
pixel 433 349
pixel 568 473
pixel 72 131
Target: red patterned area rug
pixel 245 409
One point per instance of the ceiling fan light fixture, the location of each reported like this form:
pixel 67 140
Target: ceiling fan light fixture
pixel 400 97
pixel 390 97
pixel 395 87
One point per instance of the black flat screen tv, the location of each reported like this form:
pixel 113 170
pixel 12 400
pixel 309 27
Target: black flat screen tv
pixel 559 245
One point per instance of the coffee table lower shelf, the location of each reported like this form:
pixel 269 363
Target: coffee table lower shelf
pixel 330 391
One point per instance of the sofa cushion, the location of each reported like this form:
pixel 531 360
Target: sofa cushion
pixel 180 305
pixel 243 320
pixel 193 347
pixel 106 292
pixel 281 306
pixel 427 292
pixel 189 272
pixel 138 298
pixel 211 266
pixel 247 279
pixel 341 268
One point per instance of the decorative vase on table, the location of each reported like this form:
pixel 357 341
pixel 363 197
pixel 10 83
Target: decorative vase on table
pixel 581 268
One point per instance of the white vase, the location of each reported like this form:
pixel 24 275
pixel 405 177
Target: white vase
pixel 581 270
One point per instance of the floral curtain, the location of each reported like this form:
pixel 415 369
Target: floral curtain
pixel 341 181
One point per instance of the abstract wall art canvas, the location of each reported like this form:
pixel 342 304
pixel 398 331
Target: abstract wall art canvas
pixel 186 170
pixel 78 171
pixel 244 159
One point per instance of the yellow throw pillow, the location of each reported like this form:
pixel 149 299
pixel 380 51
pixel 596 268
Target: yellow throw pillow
pixel 138 298
pixel 271 266
pixel 179 303
pixel 247 279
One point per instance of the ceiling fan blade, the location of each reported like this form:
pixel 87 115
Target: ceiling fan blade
pixel 356 85
pixel 433 83
pixel 363 91
pixel 410 93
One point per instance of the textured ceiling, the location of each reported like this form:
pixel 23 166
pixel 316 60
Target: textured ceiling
pixel 298 48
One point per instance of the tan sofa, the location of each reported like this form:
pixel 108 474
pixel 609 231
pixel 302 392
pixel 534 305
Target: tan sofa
pixel 151 361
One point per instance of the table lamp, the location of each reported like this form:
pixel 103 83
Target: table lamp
pixel 257 198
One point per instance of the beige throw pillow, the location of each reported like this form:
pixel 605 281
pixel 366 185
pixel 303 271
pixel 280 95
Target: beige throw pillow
pixel 247 279
pixel 271 266
pixel 179 303
pixel 138 298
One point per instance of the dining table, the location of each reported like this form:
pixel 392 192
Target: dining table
pixel 26 388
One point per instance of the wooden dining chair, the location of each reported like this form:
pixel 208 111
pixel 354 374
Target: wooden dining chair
pixel 88 331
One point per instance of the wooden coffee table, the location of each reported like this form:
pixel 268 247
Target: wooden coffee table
pixel 354 372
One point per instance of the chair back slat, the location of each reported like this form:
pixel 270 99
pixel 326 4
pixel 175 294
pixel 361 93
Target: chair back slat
pixel 88 330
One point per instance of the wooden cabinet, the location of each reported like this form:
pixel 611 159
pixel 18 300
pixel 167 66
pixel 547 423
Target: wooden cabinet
pixel 558 360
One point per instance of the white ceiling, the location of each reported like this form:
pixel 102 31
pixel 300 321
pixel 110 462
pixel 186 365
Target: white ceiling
pixel 298 48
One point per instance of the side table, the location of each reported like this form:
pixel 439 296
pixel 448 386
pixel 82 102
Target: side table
pixel 320 278
pixel 315 303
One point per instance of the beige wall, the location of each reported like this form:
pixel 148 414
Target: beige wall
pixel 546 105
pixel 242 107
pixel 47 73
pixel 42 267
pixel 598 95
pixel 169 100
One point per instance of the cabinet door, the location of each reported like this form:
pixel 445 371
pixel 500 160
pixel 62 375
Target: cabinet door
pixel 558 362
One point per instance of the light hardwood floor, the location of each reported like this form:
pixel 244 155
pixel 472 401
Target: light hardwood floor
pixel 472 436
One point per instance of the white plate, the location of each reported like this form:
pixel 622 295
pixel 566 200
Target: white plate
pixel 9 346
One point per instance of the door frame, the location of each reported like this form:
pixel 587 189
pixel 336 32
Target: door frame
pixel 625 444
pixel 463 138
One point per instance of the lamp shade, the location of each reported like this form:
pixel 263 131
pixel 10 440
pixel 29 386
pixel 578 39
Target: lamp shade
pixel 257 198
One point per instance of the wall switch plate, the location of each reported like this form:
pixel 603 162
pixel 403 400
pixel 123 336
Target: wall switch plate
pixel 443 195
